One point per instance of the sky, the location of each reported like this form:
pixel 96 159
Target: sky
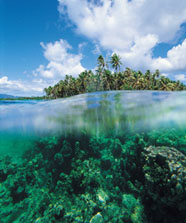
pixel 43 40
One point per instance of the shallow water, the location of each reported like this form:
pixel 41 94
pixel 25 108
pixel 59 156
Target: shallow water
pixel 64 139
pixel 100 113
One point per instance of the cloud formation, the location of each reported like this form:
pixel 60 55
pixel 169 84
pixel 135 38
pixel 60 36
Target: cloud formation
pixel 61 61
pixel 175 59
pixel 130 28
pixel 23 88
pixel 180 77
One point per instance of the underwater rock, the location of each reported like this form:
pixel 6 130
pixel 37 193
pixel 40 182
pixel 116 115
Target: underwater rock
pixel 97 218
pixel 58 210
pixel 164 171
pixel 102 197
pixel 133 209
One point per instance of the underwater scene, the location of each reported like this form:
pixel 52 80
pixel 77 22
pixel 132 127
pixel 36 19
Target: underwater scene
pixel 104 157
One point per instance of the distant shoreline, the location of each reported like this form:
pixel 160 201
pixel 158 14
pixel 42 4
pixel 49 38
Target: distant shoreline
pixel 39 98
pixel 24 98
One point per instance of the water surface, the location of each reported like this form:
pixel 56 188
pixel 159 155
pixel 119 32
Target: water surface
pixel 100 113
pixel 81 159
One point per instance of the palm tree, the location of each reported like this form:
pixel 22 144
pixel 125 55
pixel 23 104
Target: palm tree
pixel 101 62
pixel 81 82
pixel 48 91
pixel 104 79
pixel 108 81
pixel 157 74
pixel 148 75
pixel 116 61
pixel 163 84
pixel 99 72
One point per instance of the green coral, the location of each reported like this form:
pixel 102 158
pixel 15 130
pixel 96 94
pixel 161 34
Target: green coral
pixel 72 179
pixel 133 209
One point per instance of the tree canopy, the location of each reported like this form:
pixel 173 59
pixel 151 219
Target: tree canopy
pixel 104 80
pixel 116 61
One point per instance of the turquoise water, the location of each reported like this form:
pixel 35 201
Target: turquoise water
pixel 96 114
pixel 82 157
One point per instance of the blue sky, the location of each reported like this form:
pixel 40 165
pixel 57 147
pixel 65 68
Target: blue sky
pixel 43 40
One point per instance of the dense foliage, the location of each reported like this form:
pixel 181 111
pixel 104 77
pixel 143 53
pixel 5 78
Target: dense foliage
pixel 103 80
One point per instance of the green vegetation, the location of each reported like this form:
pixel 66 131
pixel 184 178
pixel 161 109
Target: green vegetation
pixel 24 98
pixel 104 80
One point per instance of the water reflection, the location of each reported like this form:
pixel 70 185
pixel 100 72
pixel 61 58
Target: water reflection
pixel 97 113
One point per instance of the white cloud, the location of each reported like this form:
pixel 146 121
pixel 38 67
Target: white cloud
pixel 61 61
pixel 23 88
pixel 81 46
pixel 3 80
pixel 140 54
pixel 175 59
pixel 131 28
pixel 180 77
pixel 97 49
pixel 166 75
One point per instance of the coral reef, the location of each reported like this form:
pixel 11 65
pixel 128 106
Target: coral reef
pixel 165 183
pixel 71 180
pixel 95 179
